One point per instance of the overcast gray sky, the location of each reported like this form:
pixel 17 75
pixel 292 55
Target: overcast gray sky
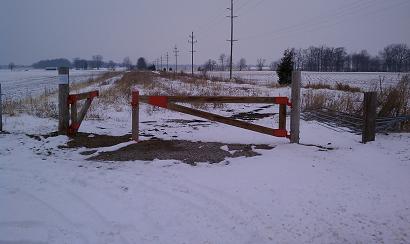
pixel 41 29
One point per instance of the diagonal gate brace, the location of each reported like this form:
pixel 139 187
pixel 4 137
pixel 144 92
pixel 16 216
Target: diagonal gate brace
pixel 77 118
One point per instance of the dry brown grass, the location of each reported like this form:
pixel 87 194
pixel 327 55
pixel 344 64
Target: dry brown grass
pixel 41 106
pixel 164 84
pixel 337 87
pixel 318 86
pixel 394 101
pixel 346 88
pixel 345 102
pixel 45 105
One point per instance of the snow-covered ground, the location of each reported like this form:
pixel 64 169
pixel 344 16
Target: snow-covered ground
pixel 21 83
pixel 365 80
pixel 354 193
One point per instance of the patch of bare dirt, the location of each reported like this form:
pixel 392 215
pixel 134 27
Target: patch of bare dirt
pixel 95 141
pixel 181 150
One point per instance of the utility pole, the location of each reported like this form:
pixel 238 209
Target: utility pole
pixel 192 41
pixel 167 62
pixel 161 63
pixel 231 40
pixel 176 58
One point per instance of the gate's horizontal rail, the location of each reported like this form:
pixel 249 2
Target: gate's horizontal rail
pixel 229 121
pixel 221 99
pixel 169 102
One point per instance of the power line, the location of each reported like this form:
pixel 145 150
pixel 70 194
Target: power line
pixel 192 42
pixel 251 8
pixel 318 20
pixel 340 18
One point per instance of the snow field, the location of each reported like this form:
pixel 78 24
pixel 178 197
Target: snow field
pixel 291 194
pixel 19 84
pixel 365 80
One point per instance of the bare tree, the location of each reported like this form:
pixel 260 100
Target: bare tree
pixel 274 65
pixel 210 65
pixel 260 63
pixel 222 58
pixel 142 64
pixel 242 64
pixel 11 66
pixel 98 61
pixel 111 65
pixel 127 63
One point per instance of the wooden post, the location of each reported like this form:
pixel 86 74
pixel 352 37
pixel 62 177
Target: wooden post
pixel 295 115
pixel 1 111
pixel 63 108
pixel 74 114
pixel 369 117
pixel 135 115
pixel 282 116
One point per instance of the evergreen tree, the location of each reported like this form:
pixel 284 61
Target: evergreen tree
pixel 285 68
pixel 141 64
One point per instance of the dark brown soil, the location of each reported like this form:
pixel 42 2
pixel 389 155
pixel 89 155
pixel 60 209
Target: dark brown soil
pixel 95 141
pixel 185 151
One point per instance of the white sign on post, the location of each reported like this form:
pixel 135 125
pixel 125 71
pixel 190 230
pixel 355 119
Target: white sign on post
pixel 62 79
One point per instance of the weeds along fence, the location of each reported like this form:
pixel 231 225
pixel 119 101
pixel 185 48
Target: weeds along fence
pixel 386 110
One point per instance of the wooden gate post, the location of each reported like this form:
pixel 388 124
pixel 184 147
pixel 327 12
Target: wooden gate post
pixel 1 111
pixel 282 116
pixel 369 117
pixel 135 115
pixel 63 93
pixel 295 114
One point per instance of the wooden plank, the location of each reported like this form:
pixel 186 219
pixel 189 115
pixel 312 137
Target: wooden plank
pixel 63 108
pixel 295 114
pixel 221 99
pixel 84 110
pixel 282 117
pixel 221 119
pixel 369 117
pixel 135 116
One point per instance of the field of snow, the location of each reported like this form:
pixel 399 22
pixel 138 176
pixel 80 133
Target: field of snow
pixel 348 193
pixel 367 81
pixel 21 83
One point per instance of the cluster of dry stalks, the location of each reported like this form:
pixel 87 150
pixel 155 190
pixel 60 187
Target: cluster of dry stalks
pixel 337 87
pixel 393 101
pixel 45 105
pixel 171 84
pixel 343 102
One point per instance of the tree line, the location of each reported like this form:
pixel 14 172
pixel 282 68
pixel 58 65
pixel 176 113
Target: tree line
pixel 96 62
pixel 393 58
